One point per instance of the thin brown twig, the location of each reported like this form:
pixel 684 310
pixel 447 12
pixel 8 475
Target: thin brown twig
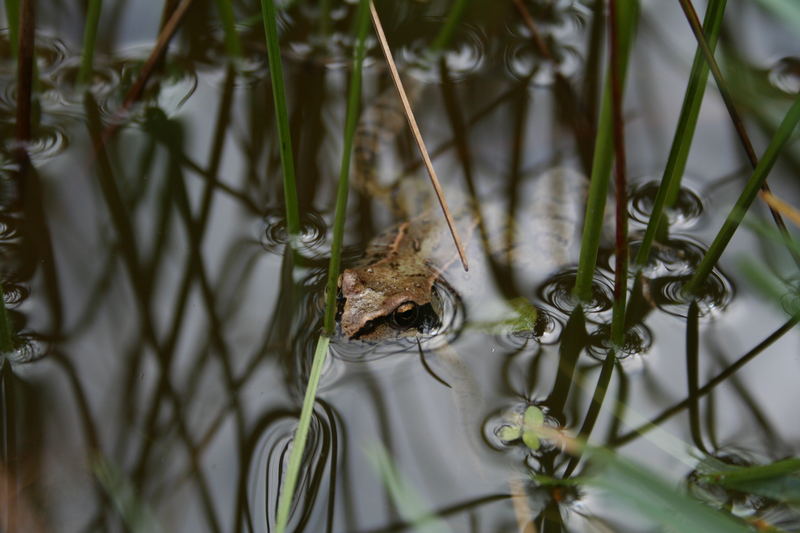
pixel 540 44
pixel 412 122
pixel 164 38
pixel 738 123
pixel 135 92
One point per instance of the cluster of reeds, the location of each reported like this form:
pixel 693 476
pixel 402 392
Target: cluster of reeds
pixel 609 151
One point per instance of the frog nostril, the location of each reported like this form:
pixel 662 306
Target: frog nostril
pixel 405 315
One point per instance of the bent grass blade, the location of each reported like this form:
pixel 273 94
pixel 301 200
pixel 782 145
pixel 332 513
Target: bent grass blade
pixel 320 354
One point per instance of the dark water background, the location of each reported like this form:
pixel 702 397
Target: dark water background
pixel 168 338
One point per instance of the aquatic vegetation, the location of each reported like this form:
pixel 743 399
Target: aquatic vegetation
pixel 183 229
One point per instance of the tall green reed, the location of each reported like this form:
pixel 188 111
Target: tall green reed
pixel 321 351
pixel 746 198
pixel 269 16
pixel 89 39
pixel 628 11
pixel 684 132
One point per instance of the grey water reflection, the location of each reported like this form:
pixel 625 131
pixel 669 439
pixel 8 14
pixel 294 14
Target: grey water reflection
pixel 165 329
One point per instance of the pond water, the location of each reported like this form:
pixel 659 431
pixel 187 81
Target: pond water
pixel 167 330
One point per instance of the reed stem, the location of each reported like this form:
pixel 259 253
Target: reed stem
pixel 269 15
pixel 233 44
pixel 603 156
pixel 351 121
pixel 89 39
pixel 301 434
pixel 445 35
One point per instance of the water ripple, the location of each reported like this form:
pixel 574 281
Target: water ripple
pixel 784 75
pixel 313 232
pixel 684 214
pixel 268 467
pixel 464 56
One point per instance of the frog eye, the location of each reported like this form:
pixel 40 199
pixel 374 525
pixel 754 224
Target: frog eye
pixel 405 315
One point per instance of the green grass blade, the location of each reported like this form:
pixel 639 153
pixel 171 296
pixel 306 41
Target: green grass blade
pixel 741 474
pixel 301 436
pixel 89 39
pixel 6 338
pixel 137 516
pixel 282 114
pixel 779 480
pixel 603 155
pixel 351 121
pixel 410 504
pixel 655 499
pixel 684 132
pixel 12 16
pixel 446 33
pixel 232 43
pixel 758 177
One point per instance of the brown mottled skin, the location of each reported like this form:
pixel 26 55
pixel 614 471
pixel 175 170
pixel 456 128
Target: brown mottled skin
pixel 398 270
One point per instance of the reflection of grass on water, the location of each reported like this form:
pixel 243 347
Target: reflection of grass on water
pixel 6 339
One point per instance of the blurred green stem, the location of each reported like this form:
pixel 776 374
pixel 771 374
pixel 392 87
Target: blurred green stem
pixel 301 435
pixel 281 112
pixel 627 13
pixel 233 45
pixel 749 193
pixel 89 39
pixel 445 35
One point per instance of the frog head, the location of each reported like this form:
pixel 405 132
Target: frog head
pixel 387 300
